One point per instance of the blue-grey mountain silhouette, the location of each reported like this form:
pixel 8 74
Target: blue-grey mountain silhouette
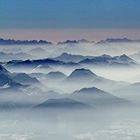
pixel 62 103
pixel 96 97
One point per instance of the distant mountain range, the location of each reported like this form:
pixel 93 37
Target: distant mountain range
pixel 73 61
pixel 117 40
pixel 73 42
pixel 121 60
pixel 70 42
pixel 15 80
pixel 44 63
pixel 85 77
pixel 86 98
pixel 66 57
pixel 22 42
pixel 6 80
pixel 96 60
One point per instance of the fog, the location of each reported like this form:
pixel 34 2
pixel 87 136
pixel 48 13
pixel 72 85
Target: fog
pixel 94 95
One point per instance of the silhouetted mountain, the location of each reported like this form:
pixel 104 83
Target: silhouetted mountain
pixel 24 79
pixel 72 42
pixel 22 42
pixel 107 60
pixel 65 57
pixel 6 80
pixel 68 42
pixel 103 59
pixel 80 78
pixel 62 103
pixel 117 40
pixel 81 75
pixel 56 75
pixel 96 97
pixel 15 81
pixel 34 63
pixel 39 63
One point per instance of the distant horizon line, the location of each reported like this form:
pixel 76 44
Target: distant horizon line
pixel 12 41
pixel 58 35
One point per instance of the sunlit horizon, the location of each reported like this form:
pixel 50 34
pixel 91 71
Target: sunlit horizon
pixel 56 35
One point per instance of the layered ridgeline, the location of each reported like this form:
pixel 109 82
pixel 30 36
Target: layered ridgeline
pixel 80 78
pixel 86 98
pixel 67 42
pixel 22 42
pixel 96 97
pixel 103 59
pixel 117 40
pixel 45 78
pixel 23 89
pixel 15 79
pixel 72 61
pixel 19 90
pixel 6 80
pixel 122 60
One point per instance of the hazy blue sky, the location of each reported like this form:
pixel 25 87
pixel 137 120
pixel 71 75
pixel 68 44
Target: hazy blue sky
pixel 69 14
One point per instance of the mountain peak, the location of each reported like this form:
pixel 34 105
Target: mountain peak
pixel 62 103
pixel 116 40
pixel 67 57
pixel 89 90
pixel 81 74
pixel 56 75
pixel 124 58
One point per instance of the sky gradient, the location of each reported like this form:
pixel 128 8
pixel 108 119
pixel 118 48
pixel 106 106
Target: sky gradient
pixel 69 14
